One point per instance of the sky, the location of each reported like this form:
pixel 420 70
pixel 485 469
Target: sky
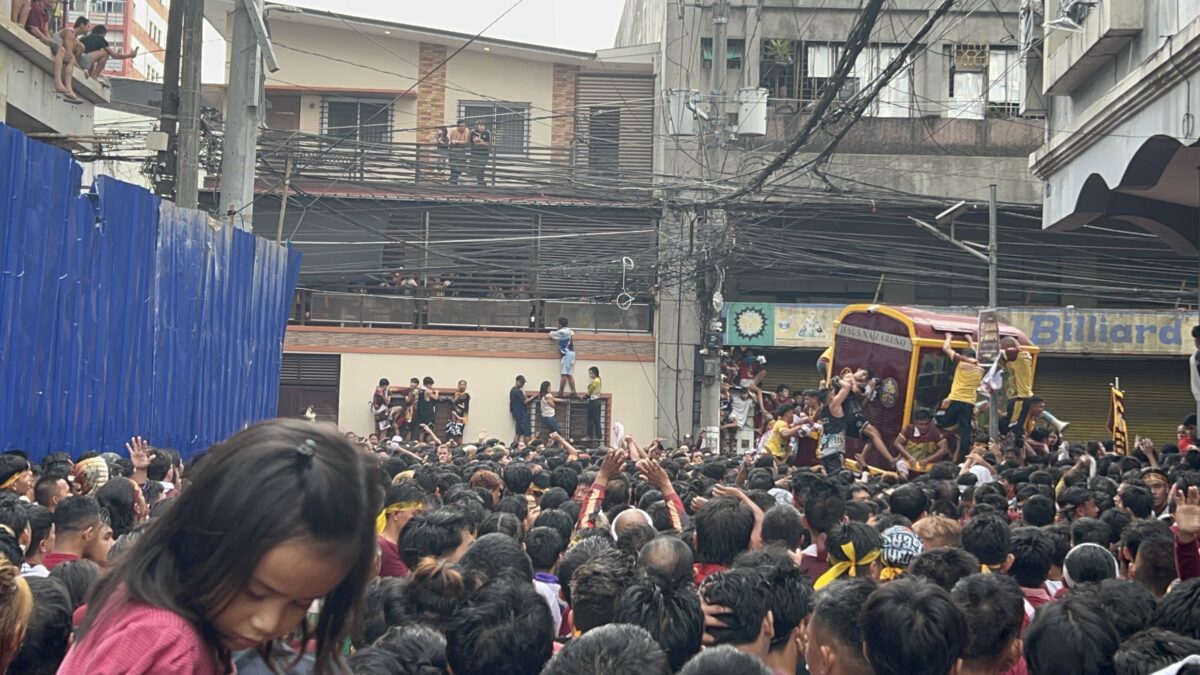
pixel 585 25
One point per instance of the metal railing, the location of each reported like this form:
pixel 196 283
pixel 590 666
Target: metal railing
pixel 370 310
pixel 325 158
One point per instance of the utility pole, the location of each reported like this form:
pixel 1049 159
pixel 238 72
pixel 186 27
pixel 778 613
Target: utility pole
pixel 283 200
pixel 993 251
pixel 169 112
pixel 991 259
pixel 241 117
pixel 714 227
pixel 993 298
pixel 187 156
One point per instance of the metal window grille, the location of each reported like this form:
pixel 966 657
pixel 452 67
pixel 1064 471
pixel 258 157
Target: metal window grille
pixel 509 123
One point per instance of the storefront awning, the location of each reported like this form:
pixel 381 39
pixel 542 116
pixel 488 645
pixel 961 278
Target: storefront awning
pixel 1156 189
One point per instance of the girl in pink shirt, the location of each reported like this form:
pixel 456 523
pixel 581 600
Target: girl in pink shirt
pixel 277 517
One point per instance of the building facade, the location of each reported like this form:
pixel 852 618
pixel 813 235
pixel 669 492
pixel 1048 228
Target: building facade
pixel 423 261
pixel 1115 83
pixel 132 24
pixel 834 223
pixel 28 100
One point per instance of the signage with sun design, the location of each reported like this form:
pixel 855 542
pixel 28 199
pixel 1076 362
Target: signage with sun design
pixel 750 324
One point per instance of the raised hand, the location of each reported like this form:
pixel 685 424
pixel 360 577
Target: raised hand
pixel 139 452
pixel 655 475
pixel 613 462
pixel 1187 514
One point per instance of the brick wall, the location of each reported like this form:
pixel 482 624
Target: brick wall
pixel 594 347
pixel 562 130
pixel 431 93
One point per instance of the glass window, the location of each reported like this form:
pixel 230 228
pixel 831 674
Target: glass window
pixel 934 376
pixel 895 99
pixel 366 120
pixel 734 51
pixel 508 122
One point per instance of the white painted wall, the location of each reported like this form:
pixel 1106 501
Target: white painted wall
pixel 488 380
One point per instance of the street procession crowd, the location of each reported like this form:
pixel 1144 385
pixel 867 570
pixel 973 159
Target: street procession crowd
pixel 293 547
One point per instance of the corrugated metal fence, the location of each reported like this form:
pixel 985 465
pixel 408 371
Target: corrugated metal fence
pixel 122 315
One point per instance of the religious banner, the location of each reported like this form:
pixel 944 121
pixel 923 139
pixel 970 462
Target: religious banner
pixel 1116 422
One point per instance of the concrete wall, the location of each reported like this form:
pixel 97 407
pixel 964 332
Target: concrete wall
pixel 27 97
pixel 375 64
pixel 1162 20
pixel 363 64
pixel 476 76
pixel 488 380
pixel 489 361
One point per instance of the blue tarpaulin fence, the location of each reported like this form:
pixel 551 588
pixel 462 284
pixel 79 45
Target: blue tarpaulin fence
pixel 123 315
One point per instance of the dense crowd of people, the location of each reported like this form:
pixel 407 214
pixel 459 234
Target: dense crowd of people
pixel 290 547
pixel 296 548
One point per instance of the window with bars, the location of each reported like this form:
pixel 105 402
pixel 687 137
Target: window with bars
pixel 368 120
pixel 777 69
pixel 984 81
pixel 791 69
pixel 571 415
pixel 509 123
pixel 820 60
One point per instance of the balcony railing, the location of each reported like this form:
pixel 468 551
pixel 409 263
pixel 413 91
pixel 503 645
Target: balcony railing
pixel 368 310
pixel 352 162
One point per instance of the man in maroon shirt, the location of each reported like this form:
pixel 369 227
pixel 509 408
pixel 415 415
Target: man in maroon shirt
pixel 400 504
pixel 80 532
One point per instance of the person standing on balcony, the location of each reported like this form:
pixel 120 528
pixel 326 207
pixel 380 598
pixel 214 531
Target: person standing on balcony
pixel 565 338
pixel 481 148
pixel 442 139
pixel 460 138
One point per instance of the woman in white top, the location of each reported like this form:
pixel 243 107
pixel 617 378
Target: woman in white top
pixel 547 403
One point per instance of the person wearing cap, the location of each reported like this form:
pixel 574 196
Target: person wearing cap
pixel 900 546
pixel 518 407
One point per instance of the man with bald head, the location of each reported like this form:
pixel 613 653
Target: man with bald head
pixel 668 557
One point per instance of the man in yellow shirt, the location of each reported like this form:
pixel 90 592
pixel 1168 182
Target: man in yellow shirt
pixel 785 426
pixel 824 363
pixel 1018 369
pixel 958 410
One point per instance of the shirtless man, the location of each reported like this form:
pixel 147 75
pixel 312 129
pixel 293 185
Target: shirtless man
pixel 65 47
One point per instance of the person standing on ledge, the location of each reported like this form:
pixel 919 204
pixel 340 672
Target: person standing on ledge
pixel 565 338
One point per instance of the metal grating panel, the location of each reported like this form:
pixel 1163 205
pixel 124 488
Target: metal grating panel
pixel 311 369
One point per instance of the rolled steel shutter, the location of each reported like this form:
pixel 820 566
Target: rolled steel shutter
pixel 1157 395
pixel 633 96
